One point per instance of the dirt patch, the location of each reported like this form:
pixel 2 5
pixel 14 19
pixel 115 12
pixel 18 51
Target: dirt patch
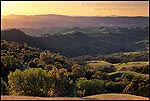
pixel 94 97
pixel 117 97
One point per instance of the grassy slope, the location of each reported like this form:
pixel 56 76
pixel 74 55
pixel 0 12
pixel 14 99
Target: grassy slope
pixel 140 63
pixel 119 73
pixel 95 64
pixel 112 96
pixel 122 68
pixel 119 66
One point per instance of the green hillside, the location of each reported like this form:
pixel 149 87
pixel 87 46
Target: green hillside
pixel 77 42
pixel 29 71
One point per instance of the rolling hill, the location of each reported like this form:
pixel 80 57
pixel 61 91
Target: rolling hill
pixel 52 20
pixel 79 43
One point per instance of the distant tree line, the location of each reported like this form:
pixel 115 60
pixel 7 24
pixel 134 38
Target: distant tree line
pixel 115 58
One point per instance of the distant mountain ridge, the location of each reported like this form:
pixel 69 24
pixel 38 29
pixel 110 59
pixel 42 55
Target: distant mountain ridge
pixel 52 20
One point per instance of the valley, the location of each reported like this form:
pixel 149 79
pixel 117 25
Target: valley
pixel 106 41
pixel 75 50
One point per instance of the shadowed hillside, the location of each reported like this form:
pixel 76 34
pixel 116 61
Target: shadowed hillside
pixel 79 43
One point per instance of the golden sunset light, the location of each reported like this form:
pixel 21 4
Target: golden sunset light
pixel 76 8
pixel 75 50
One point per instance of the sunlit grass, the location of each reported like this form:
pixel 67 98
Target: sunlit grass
pixel 119 74
pixel 98 63
pixel 131 64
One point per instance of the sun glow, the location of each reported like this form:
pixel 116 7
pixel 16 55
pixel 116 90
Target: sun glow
pixel 76 8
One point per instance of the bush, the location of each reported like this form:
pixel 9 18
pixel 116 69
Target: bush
pixel 100 75
pixel 4 88
pixel 145 69
pixel 115 87
pixel 89 72
pixel 127 78
pixel 78 71
pixel 91 87
pixel 61 85
pixel 48 67
pixel 107 69
pixel 138 86
pixel 30 82
pixel 58 65
pixel 8 63
pixel 32 64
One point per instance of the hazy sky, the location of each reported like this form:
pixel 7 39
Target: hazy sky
pixel 76 8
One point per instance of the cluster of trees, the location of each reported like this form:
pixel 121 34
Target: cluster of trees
pixel 30 71
pixel 130 57
pixel 39 82
pixel 138 86
pixel 115 58
pixel 143 69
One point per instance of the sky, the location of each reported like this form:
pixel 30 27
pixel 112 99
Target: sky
pixel 76 8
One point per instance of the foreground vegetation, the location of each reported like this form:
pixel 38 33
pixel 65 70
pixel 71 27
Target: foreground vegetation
pixel 30 71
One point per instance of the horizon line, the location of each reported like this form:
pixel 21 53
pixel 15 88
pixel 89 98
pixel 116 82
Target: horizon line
pixel 76 15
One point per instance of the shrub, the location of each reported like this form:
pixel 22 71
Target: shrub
pixel 32 64
pixel 58 65
pixel 115 87
pixel 100 75
pixel 4 88
pixel 145 69
pixel 61 85
pixel 8 63
pixel 127 78
pixel 48 67
pixel 91 87
pixel 138 86
pixel 78 71
pixel 107 69
pixel 30 82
